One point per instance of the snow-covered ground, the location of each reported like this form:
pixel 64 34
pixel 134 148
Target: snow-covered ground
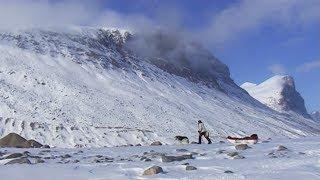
pixel 301 160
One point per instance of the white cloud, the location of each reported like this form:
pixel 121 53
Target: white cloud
pixel 250 15
pixel 307 67
pixel 277 69
pixel 45 13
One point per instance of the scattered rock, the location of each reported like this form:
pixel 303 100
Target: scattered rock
pixel 153 154
pixel 228 172
pixel 145 159
pixel 45 146
pixel 33 144
pixel 242 147
pixel 138 145
pixel 190 168
pixel 182 139
pixel 221 151
pixel 185 164
pixel 39 161
pixel 181 150
pixel 265 141
pixel 235 155
pixel 176 158
pixel 238 157
pixel 193 142
pixel 281 148
pixel 232 154
pixel 66 156
pixel 222 142
pixel 14 155
pixel 156 143
pixel 23 160
pixel 75 161
pixel 153 170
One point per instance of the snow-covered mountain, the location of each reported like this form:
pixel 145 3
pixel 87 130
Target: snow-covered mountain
pixel 315 115
pixel 104 87
pixel 279 93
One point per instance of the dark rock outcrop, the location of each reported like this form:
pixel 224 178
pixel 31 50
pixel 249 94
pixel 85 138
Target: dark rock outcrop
pixel 16 141
pixel 165 158
pixel 22 160
pixel 153 170
pixel 316 116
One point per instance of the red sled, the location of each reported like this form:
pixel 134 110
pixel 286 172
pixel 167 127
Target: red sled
pixel 253 139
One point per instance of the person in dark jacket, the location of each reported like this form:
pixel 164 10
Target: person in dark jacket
pixel 203 132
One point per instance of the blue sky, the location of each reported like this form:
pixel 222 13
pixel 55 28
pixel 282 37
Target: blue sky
pixel 255 38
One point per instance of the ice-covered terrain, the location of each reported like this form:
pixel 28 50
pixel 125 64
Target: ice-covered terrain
pixel 279 93
pixel 89 87
pixel 294 159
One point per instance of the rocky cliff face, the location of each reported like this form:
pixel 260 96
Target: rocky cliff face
pixel 279 93
pixel 316 115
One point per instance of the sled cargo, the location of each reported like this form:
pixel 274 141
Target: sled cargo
pixel 253 139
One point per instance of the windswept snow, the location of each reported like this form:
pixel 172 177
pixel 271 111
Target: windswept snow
pixel 83 88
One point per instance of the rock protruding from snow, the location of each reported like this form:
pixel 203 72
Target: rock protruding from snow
pixel 22 160
pixel 156 143
pixel 153 170
pixel 242 147
pixel 15 140
pixel 316 115
pixel 279 93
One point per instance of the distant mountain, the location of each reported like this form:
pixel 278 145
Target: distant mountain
pixel 279 93
pixel 316 115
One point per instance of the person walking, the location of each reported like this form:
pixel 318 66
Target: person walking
pixel 203 132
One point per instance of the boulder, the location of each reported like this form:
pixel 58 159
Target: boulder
pixel 153 170
pixel 16 141
pixel 281 148
pixel 39 161
pixel 32 144
pixel 156 143
pixel 228 172
pixel 45 146
pixel 232 154
pixel 182 139
pixel 181 150
pixel 176 158
pixel 22 160
pixel 14 155
pixel 242 147
pixel 13 140
pixel 190 168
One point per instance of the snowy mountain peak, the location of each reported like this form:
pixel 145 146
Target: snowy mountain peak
pixel 279 93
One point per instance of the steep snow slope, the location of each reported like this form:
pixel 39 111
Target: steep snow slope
pixel 315 115
pixel 84 87
pixel 278 93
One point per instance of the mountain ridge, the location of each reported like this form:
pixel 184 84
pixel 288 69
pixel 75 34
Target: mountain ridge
pixel 86 88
